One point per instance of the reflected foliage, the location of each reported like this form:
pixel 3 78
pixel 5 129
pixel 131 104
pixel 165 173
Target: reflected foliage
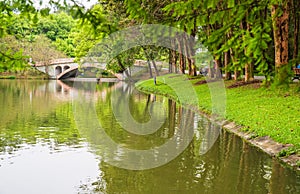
pixel 32 114
pixel 231 166
pixel 36 112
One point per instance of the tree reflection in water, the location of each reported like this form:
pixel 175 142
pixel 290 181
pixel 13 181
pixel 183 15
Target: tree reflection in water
pixel 41 113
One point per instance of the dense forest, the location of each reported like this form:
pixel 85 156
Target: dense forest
pixel 245 37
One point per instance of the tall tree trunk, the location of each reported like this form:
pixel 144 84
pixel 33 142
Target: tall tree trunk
pixel 155 67
pixel 174 60
pixel 192 47
pixel 249 76
pixel 181 63
pixel 218 72
pixel 186 46
pixel 170 61
pixel 172 54
pixel 280 19
pixel 237 72
pixel 148 62
pixel 181 56
pixel 249 68
pixel 296 4
pixel 226 65
pixel 191 51
pixel 211 71
pixel 150 69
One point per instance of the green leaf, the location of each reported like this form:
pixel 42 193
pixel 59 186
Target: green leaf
pixel 45 11
pixel 231 3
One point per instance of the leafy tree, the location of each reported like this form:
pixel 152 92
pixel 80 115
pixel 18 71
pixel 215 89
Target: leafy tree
pixel 10 60
pixel 244 36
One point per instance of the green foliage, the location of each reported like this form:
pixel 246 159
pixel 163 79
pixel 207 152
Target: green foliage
pixel 55 26
pixel 90 32
pixel 242 28
pixel 41 49
pixel 12 61
pixel 23 38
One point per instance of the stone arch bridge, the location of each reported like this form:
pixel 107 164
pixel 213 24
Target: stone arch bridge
pixel 63 68
pixel 67 67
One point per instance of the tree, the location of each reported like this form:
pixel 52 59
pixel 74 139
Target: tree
pixel 294 29
pixel 10 60
pixel 243 36
pixel 280 18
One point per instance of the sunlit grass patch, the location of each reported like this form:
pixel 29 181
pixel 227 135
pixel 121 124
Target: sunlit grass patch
pixel 263 111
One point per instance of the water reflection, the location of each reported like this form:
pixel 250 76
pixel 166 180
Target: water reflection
pixel 127 128
pixel 43 150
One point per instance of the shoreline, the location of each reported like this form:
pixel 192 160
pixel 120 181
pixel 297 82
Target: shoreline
pixel 263 143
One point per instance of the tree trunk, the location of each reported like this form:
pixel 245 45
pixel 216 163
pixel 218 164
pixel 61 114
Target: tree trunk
pixel 237 74
pixel 218 72
pixel 174 60
pixel 150 69
pixel 226 64
pixel 296 5
pixel 281 34
pixel 191 51
pixel 170 61
pixel 192 48
pixel 186 46
pixel 148 62
pixel 248 66
pixel 155 67
pixel 181 56
pixel 249 74
pixel 211 71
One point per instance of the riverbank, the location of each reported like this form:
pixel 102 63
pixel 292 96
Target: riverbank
pixel 26 74
pixel 268 119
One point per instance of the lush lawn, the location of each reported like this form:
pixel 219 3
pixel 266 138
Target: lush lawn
pixel 266 112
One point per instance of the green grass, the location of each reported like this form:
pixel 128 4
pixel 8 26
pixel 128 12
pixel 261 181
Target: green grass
pixel 265 112
pixel 7 77
pixel 28 73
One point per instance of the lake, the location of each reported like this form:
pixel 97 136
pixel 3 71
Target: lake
pixel 86 137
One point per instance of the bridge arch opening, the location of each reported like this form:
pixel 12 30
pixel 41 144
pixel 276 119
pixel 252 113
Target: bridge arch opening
pixel 58 70
pixel 66 67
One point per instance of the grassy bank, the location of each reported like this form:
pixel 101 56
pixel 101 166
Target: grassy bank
pixel 265 112
pixel 29 73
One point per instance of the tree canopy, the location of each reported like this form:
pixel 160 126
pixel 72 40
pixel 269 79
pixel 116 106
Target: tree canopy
pixel 245 37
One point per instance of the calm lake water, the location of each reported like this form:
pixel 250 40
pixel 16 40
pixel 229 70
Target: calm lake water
pixel 58 137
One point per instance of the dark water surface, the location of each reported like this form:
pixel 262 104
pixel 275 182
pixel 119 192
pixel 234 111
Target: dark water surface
pixel 65 138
